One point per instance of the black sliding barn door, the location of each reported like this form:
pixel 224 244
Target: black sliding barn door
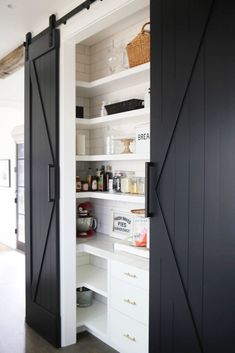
pixel 192 279
pixel 42 185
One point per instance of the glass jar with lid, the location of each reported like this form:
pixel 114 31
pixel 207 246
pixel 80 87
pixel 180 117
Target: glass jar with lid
pixel 133 185
pixel 126 182
pixel 141 185
pixel 117 181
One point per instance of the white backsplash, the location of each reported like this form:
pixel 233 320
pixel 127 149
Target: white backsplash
pixel 102 210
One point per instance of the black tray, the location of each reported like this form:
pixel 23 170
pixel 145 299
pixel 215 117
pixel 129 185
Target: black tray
pixel 124 106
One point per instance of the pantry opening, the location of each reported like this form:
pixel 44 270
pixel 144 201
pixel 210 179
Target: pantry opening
pixel 112 129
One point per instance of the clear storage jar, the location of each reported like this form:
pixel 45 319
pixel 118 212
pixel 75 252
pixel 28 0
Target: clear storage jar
pixel 126 182
pixel 133 183
pixel 141 185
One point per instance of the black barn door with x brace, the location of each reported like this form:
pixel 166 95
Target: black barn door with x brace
pixel 192 177
pixel 42 185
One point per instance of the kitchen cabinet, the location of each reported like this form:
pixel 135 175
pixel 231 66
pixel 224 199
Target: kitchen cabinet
pixel 127 334
pixel 120 282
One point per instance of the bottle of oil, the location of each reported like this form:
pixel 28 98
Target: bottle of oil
pixel 102 181
pixel 89 178
pixel 109 178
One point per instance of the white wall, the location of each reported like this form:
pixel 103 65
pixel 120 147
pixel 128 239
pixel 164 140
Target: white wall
pixel 11 115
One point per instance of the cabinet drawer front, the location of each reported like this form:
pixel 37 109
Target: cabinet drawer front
pixel 128 335
pixel 130 274
pixel 130 300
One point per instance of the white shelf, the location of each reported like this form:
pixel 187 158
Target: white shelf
pixel 115 82
pixel 113 157
pixel 134 117
pixel 92 277
pixel 103 246
pixel 110 196
pixel 93 317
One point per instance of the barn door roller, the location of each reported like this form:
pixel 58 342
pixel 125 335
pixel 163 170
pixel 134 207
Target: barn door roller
pixel 52 25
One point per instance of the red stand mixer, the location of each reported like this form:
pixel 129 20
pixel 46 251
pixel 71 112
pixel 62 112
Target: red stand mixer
pixel 86 223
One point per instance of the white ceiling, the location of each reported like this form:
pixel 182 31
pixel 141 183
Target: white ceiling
pixel 17 17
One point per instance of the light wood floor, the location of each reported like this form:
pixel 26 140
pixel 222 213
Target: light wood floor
pixel 15 335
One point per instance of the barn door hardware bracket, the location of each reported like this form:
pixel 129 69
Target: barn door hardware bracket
pixel 53 23
pixel 85 5
pixel 88 4
pixel 28 40
pixel 52 26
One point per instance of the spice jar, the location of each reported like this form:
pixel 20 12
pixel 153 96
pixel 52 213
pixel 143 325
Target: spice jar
pixel 78 184
pixel 85 186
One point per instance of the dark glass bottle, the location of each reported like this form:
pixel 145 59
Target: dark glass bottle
pixel 89 178
pixel 102 181
pixel 117 182
pixel 109 178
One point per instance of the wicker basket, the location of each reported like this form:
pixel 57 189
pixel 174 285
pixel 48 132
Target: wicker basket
pixel 138 50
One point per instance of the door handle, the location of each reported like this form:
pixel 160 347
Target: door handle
pixel 49 168
pixel 148 166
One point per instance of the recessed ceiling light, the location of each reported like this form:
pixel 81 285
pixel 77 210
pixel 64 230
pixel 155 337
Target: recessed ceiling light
pixel 9 6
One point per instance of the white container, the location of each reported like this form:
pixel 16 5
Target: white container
pixel 143 139
pixel 147 99
pixel 109 141
pixel 103 111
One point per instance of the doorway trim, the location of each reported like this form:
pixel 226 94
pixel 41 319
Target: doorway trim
pixel 78 29
pixel 18 136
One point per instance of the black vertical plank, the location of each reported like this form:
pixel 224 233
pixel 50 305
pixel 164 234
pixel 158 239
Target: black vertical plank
pixel 196 190
pixel 182 184
pixel 219 251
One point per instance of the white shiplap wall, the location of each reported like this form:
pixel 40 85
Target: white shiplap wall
pixel 99 51
pixel 92 64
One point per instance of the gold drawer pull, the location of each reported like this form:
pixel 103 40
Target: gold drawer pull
pixel 126 335
pixel 128 301
pixel 129 275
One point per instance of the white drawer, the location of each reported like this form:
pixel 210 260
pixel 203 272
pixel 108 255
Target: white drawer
pixel 130 274
pixel 127 335
pixel 130 300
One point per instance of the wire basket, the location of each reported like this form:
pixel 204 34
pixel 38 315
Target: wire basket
pixel 138 50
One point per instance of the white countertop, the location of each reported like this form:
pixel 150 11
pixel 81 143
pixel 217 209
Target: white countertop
pixel 103 246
